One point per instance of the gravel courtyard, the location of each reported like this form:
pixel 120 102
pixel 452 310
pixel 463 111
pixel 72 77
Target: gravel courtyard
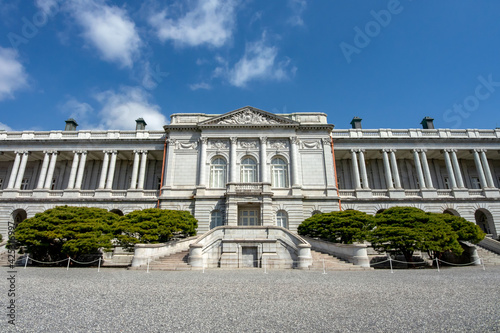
pixel 117 300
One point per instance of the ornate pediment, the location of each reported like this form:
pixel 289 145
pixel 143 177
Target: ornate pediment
pixel 249 116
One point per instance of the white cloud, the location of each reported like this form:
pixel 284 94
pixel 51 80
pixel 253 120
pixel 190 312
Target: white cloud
pixel 121 109
pixel 4 127
pixel 201 85
pixel 12 73
pixel 109 29
pixel 258 63
pixel 79 111
pixel 208 22
pixel 297 7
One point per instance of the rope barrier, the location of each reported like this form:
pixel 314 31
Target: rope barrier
pixel 48 262
pixel 84 263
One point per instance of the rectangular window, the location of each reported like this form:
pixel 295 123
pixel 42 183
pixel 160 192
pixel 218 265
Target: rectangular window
pixel 53 184
pixel 476 184
pixel 1 183
pixel 25 183
pixel 447 183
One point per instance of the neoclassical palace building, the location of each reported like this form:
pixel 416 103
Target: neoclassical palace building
pixel 249 167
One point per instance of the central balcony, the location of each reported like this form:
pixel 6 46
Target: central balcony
pixel 248 188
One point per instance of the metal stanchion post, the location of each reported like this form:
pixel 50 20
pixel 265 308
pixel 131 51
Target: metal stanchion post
pixel 147 271
pixel 69 260
pixel 324 268
pixel 437 264
pixel 390 263
pixel 26 262
pixel 99 266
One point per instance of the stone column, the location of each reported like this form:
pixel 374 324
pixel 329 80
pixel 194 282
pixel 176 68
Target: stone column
pixel 111 171
pixel 170 163
pixel 104 170
pixel 456 168
pixel 135 169
pixel 74 168
pixel 449 167
pixel 427 171
pixel 387 170
pixel 486 168
pixel 50 172
pixel 395 172
pixel 142 170
pixel 43 172
pixel 355 170
pixel 294 157
pixel 479 168
pixel 232 157
pixel 81 170
pixel 418 167
pixel 15 169
pixel 22 168
pixel 263 160
pixel 203 162
pixel 362 167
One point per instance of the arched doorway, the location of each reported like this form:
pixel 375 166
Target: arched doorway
pixel 18 216
pixel 484 220
pixel 117 212
pixel 450 211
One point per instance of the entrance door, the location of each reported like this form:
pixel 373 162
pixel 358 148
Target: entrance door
pixel 249 256
pixel 249 216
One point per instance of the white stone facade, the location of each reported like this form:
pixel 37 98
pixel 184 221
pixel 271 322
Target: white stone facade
pixel 250 167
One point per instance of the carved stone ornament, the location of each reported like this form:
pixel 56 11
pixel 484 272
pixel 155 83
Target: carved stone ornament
pixel 187 145
pixel 247 117
pixel 310 144
pixel 248 144
pixel 219 144
pixel 279 144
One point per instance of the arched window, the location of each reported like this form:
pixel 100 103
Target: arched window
pixel 316 212
pixel 218 173
pixel 248 170
pixel 282 219
pixel 215 219
pixel 279 171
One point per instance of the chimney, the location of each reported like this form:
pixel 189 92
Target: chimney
pixel 356 122
pixel 427 123
pixel 140 124
pixel 71 125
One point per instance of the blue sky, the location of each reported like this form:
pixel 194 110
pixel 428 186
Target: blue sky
pixel 106 63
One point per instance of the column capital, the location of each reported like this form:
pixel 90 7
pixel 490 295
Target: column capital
pixel 144 152
pixel 171 141
pixel 25 152
pixel 263 139
pixel 294 139
pixel 327 141
pixel 203 140
pixel 234 140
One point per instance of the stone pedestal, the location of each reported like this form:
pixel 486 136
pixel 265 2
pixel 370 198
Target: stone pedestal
pixel 196 256
pixel 397 194
pixel 429 193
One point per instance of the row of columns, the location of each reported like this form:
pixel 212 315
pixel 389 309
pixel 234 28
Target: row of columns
pixel 264 174
pixel 77 169
pixel 393 180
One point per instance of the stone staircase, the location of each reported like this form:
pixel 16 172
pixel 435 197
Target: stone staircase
pixel 489 258
pixel 333 263
pixel 174 262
